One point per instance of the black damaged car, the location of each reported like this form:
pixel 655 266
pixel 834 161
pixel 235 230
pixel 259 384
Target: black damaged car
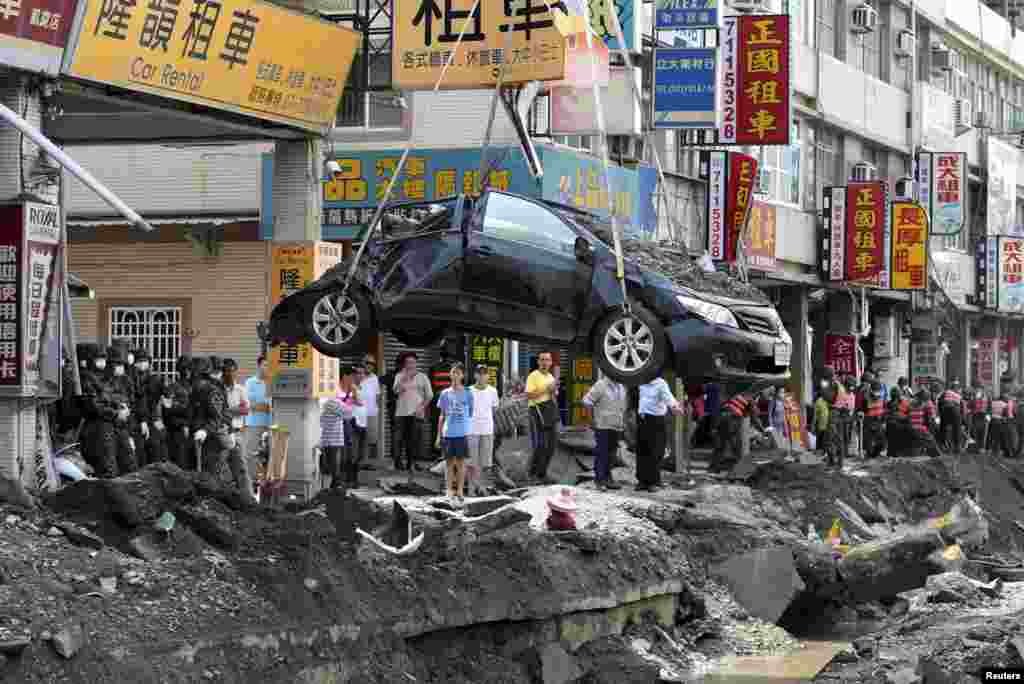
pixel 511 266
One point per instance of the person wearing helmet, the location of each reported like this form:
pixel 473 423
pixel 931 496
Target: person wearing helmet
pixel 897 424
pixel 951 417
pixel 149 388
pixel 874 421
pixel 176 407
pixel 1004 427
pixel 922 416
pixel 123 394
pixel 980 418
pixel 99 447
pixel 211 424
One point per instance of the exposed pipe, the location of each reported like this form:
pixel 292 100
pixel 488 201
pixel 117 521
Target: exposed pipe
pixel 71 165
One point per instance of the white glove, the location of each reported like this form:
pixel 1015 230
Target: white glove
pixel 200 436
pixel 159 425
pixel 232 440
pixel 123 413
pixel 131 443
pixel 186 431
pixel 144 429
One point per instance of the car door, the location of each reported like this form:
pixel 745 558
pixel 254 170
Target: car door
pixel 420 276
pixel 522 274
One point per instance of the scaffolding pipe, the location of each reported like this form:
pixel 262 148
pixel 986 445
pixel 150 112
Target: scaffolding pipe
pixel 71 165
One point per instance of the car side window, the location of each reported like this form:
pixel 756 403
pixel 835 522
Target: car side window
pixel 518 220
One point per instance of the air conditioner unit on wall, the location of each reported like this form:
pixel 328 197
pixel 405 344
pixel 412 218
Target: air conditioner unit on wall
pixel 749 6
pixel 863 172
pixel 905 42
pixel 942 58
pixel 863 19
pixel 963 120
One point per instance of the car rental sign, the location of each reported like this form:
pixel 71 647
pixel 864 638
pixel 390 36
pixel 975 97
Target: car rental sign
pixel 242 56
pixel 521 37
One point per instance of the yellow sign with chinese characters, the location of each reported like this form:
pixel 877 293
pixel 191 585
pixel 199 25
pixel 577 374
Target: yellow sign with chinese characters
pixel 521 37
pixel 242 56
pixel 293 265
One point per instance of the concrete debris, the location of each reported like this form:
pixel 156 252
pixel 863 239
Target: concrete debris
pixel 403 486
pixel 474 508
pixel 212 521
pixel 54 532
pixel 764 582
pixel 903 675
pixel 13 646
pixel 108 585
pixel 557 666
pixel 13 492
pixel 80 536
pixel 890 566
pixel 952 587
pixel 69 640
pixel 854 520
pixel 145 549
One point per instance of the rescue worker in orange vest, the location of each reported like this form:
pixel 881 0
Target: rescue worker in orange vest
pixel 840 418
pixel 922 421
pixel 729 446
pixel 980 418
pixel 874 422
pixel 951 416
pixel 897 425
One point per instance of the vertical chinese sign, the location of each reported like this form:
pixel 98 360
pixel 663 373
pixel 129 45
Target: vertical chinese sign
pixel 582 380
pixel 909 247
pixel 761 249
pixel 10 306
pixel 985 361
pixel 292 267
pixel 1011 275
pixel 30 240
pixel 833 240
pixel 796 421
pixel 42 241
pixel 942 181
pixel 488 351
pixel 756 99
pixel 866 219
pixel 841 354
pixel 730 177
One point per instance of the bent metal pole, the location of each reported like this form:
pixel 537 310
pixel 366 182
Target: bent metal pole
pixel 400 167
pixel 71 165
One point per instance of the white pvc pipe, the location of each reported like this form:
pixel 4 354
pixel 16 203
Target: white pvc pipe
pixel 71 165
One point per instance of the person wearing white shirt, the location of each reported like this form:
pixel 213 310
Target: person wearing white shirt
pixel 369 390
pixel 237 409
pixel 480 440
pixel 361 416
pixel 656 401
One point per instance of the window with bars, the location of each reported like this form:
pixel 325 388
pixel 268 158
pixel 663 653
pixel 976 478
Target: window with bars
pixel 157 329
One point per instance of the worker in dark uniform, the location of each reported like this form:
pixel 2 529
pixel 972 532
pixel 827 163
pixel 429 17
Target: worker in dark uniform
pixel 729 445
pixel 122 394
pixel 874 422
pixel 951 417
pixel 211 425
pixel 99 447
pixel 176 404
pixel 922 417
pixel 69 408
pixel 440 381
pixel 149 389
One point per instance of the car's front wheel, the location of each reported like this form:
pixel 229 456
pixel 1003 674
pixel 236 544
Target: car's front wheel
pixel 631 348
pixel 338 325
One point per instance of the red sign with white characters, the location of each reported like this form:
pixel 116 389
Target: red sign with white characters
pixel 756 88
pixel 841 354
pixel 742 173
pixel 865 230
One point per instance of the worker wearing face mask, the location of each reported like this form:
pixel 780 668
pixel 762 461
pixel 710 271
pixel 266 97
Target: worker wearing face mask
pixel 176 412
pixel 211 424
pixel 99 411
pixel 123 394
pixel 151 437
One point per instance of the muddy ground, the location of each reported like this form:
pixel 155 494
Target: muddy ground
pixel 90 591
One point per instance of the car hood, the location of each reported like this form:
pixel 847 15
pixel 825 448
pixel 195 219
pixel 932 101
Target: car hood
pixel 679 268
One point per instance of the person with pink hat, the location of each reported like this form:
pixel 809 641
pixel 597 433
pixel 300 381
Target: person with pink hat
pixel 562 510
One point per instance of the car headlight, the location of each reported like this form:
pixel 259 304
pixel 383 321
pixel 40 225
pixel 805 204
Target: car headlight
pixel 708 311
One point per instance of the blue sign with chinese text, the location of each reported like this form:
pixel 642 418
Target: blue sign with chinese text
pixel 577 179
pixel 684 88
pixel 351 198
pixel 685 14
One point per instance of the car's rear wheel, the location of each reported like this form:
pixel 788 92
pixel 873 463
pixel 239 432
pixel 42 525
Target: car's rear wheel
pixel 631 348
pixel 338 325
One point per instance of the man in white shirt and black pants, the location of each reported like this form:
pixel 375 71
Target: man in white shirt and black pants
pixel 369 392
pixel 656 401
pixel 238 409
